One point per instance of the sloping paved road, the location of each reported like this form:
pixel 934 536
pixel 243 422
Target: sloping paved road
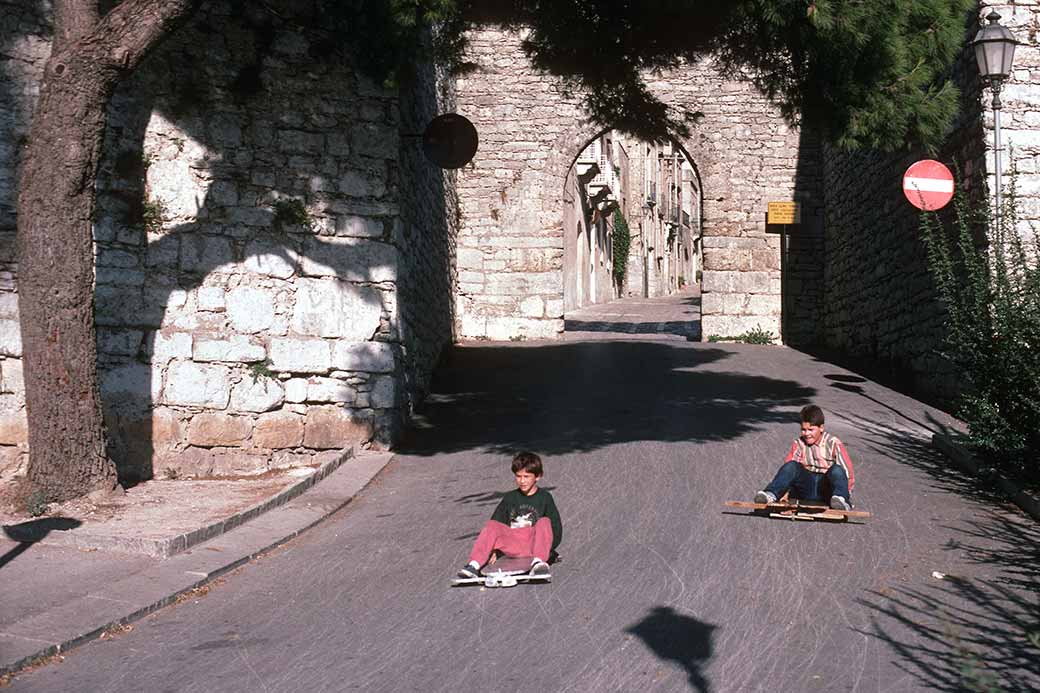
pixel 658 587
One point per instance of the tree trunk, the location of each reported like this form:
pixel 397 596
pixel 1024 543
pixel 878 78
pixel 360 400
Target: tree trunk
pixel 67 447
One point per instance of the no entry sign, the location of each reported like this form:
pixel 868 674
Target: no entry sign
pixel 928 185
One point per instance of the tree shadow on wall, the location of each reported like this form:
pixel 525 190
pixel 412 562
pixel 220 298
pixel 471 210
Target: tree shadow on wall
pixel 582 396
pixel 163 299
pixel 680 639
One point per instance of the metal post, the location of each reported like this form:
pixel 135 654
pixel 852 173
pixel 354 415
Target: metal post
pixel 996 151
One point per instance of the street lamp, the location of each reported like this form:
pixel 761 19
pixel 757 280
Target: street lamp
pixel 994 53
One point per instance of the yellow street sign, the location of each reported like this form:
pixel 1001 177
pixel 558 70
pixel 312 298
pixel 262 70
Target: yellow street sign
pixel 784 213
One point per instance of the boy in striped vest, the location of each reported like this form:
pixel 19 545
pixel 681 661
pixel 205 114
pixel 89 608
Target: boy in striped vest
pixel 817 467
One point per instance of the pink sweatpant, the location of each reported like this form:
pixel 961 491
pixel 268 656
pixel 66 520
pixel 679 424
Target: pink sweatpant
pixel 519 541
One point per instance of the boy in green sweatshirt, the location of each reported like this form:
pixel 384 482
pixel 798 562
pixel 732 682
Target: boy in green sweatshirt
pixel 525 523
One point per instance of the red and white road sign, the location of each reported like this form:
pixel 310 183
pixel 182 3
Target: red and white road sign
pixel 928 185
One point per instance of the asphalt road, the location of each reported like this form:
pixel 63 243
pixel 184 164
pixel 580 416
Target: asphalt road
pixel 658 588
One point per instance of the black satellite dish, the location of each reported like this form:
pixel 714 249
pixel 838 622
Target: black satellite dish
pixel 450 141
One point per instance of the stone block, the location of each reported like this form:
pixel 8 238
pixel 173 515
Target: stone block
pixel 203 463
pixel 210 298
pixel 300 355
pixel 359 227
pixel 199 385
pixel 361 184
pixel 331 390
pixel 370 357
pixel 278 430
pixel 507 328
pixel 130 387
pixel 532 307
pixel 234 349
pixel 270 259
pixel 13 378
pixel 13 461
pixel 203 254
pixel 736 282
pixel 333 427
pixel 9 305
pixel 384 392
pixel 333 308
pixel 349 259
pixel 257 394
pixel 10 338
pixel 296 390
pixel 166 427
pixel 250 310
pixel 211 429
pixel 167 345
pixel 14 428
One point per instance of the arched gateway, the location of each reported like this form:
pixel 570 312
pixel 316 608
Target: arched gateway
pixel 511 243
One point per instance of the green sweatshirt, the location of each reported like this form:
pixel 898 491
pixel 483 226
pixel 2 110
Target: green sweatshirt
pixel 518 510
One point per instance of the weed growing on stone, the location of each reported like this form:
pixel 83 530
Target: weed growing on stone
pixel 261 369
pixel 291 212
pixel 36 503
pixel 757 335
pixel 152 212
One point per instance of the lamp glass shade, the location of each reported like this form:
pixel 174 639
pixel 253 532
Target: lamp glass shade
pixel 994 49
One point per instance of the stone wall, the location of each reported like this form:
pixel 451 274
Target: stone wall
pixel 510 242
pixel 879 304
pixel 256 206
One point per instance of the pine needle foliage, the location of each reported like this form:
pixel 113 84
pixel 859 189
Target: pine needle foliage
pixel 991 293
pixel 867 73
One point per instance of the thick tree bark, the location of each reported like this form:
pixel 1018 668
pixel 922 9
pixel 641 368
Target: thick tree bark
pixel 67 448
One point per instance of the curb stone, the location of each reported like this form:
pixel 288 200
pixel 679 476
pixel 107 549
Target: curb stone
pixel 171 546
pixel 966 461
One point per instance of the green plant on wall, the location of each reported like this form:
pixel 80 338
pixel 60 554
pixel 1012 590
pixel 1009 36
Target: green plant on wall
pixel 992 299
pixel 290 211
pixel 622 243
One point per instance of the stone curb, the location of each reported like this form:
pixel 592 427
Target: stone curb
pixel 169 580
pixel 171 546
pixel 966 461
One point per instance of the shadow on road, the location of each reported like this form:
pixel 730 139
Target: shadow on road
pixel 583 396
pixel 955 634
pixel 690 329
pixel 673 637
pixel 28 533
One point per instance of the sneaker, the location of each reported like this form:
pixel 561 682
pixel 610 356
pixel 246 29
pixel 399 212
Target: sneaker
pixel 468 572
pixel 539 568
pixel 839 503
pixel 765 497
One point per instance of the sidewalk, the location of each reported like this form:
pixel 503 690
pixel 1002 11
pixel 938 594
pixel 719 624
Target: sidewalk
pixel 67 580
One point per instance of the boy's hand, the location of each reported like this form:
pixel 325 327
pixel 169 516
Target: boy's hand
pixel 494 557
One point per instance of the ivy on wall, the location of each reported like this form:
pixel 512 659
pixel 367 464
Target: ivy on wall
pixel 622 242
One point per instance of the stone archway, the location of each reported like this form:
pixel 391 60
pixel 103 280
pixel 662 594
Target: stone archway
pixel 511 243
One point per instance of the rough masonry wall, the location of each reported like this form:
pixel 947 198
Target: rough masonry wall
pixel 510 250
pixel 247 249
pixel 879 304
pixel 426 235
pixel 24 45
pixel 511 240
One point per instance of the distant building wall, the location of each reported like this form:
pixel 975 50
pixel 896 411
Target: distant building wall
pixel 511 238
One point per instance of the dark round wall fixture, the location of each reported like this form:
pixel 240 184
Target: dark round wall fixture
pixel 450 141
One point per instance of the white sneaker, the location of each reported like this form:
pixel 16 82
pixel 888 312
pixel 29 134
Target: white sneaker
pixel 765 497
pixel 839 503
pixel 539 568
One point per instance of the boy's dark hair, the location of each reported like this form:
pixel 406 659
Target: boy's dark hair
pixel 529 462
pixel 812 414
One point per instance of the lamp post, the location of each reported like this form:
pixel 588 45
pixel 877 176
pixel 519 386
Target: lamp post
pixel 994 53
